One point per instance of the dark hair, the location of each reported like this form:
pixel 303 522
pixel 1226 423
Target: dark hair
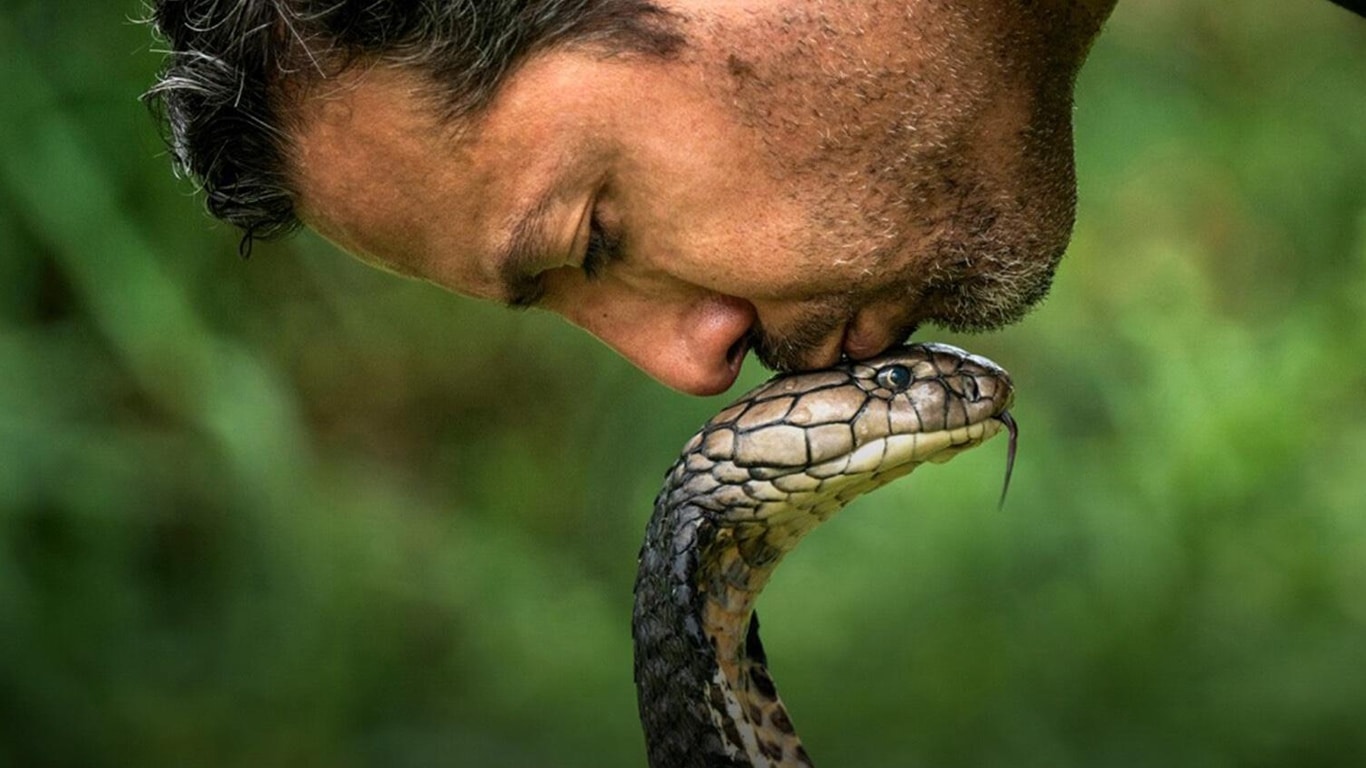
pixel 222 97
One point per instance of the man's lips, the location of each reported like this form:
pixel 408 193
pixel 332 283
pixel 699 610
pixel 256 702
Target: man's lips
pixel 798 349
pixel 871 332
pixel 865 333
pixel 858 343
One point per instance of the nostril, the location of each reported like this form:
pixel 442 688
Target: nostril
pixel 735 355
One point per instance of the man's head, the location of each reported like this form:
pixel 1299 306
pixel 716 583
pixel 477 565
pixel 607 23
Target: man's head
pixel 687 180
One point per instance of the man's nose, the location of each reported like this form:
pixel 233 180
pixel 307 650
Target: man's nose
pixel 693 344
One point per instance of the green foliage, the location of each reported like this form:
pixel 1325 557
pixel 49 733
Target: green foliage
pixel 293 512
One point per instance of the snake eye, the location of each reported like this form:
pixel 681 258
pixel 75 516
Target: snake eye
pixel 895 377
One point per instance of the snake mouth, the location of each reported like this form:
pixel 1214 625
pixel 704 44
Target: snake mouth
pixel 939 447
pixel 885 459
pixel 880 461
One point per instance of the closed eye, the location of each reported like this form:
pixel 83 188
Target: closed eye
pixel 603 248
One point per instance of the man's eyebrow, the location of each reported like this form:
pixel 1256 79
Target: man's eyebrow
pixel 523 258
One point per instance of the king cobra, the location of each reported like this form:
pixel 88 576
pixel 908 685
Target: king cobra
pixel 749 485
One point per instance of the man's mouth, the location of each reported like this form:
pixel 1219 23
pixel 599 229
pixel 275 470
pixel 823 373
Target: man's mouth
pixel 848 330
pixel 874 329
pixel 821 340
pixel 862 340
pixel 812 344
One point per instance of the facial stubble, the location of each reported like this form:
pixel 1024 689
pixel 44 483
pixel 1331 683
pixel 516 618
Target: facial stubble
pixel 911 192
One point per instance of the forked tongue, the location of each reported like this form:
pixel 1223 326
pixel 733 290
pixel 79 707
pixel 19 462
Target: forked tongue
pixel 1014 429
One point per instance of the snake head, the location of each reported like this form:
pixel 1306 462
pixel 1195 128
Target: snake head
pixel 817 439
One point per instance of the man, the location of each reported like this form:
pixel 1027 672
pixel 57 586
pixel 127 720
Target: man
pixel 688 180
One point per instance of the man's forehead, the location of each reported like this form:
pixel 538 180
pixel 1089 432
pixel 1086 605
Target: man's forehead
pixel 363 133
pixel 371 162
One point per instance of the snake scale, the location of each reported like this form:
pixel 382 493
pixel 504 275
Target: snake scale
pixel 748 486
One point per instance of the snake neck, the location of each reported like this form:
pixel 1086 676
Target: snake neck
pixel 706 697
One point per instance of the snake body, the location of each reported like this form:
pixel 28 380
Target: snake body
pixel 748 486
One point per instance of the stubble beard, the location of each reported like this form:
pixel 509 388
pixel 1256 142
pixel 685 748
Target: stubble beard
pixel 921 209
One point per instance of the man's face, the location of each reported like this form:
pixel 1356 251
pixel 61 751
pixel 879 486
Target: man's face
pixel 804 182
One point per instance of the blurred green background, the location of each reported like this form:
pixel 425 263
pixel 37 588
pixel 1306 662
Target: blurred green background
pixel 295 512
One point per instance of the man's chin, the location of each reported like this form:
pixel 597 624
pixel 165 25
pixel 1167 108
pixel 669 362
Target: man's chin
pixel 991 300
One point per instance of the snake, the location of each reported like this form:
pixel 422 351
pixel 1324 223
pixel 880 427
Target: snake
pixel 753 481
